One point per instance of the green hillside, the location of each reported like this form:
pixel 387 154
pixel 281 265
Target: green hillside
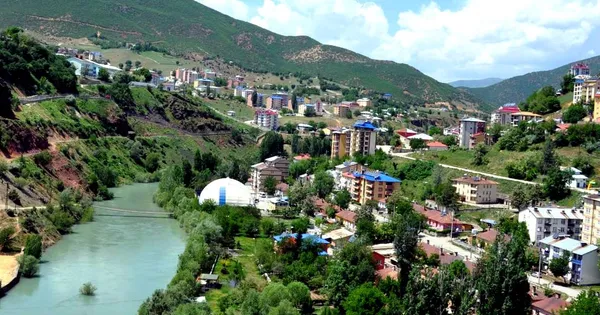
pixel 517 89
pixel 190 29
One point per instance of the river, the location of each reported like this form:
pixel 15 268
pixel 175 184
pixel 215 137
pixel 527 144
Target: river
pixel 126 258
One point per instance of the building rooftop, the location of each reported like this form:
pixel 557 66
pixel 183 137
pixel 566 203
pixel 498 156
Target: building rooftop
pixel 364 125
pixel 475 180
pixel 376 177
pixel 435 215
pixel 346 215
pixel 568 244
pixel 273 158
pixel 436 144
pixel 491 235
pixel 337 234
pixel 555 213
pixel 529 114
pixel 304 126
pixel 421 136
pixel 472 119
pixel 550 305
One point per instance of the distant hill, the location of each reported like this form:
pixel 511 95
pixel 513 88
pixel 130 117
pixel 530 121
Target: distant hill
pixel 517 89
pixel 475 83
pixel 187 28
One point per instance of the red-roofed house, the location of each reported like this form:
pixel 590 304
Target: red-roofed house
pixel 440 222
pixel 347 219
pixel 436 146
pixel 301 157
pixel 406 132
pixel 385 273
pixel 562 127
pixel 503 115
pixel 549 306
pixel 489 236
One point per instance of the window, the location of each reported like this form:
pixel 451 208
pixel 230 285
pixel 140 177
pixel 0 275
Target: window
pixel 539 237
pixel 562 229
pixel 554 230
pixel 563 221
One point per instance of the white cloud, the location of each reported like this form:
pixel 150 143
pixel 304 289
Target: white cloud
pixel 481 38
pixel 591 52
pixel 233 8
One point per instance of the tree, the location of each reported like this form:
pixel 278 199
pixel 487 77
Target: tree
pixel 449 141
pixel 365 300
pixel 87 289
pixel 351 267
pixel 342 199
pixel 446 196
pixel 284 308
pixel 270 185
pixel 152 162
pixel 33 246
pixel 555 184
pixel 560 266
pixel 365 222
pixel 6 238
pixel 271 145
pixel 417 144
pixel 479 155
pixel 28 266
pixel 300 296
pixel 408 227
pixel 301 197
pixel 323 184
pixel 587 303
pixel 567 84
pixel 519 198
pixel 188 173
pixel 252 304
pixel 137 63
pixel 254 98
pixel 434 130
pixel 549 158
pixel 574 113
pixel 103 75
pixel 274 293
pixel 583 164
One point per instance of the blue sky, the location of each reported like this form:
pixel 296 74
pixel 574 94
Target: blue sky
pixel 446 39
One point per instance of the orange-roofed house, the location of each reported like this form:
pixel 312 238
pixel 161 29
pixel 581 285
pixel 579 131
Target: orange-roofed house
pixel 347 219
pixel 562 127
pixel 441 222
pixel 549 306
pixel 476 189
pixel 301 157
pixel 489 237
pixel 436 146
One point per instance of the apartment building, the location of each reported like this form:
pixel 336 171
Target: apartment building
pixel 341 110
pixel 260 100
pixel 276 167
pixel 274 102
pixel 579 69
pixel 503 115
pixel 469 127
pixel 363 138
pixel 583 258
pixel 365 186
pixel 584 89
pixel 591 219
pixel 596 114
pixel 267 118
pixel 364 102
pixel 476 189
pixel 545 221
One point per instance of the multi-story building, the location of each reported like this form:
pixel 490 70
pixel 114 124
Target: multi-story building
pixel 543 222
pixel 583 258
pixel 596 114
pixel 584 89
pixel 209 74
pixel 274 102
pixel 468 127
pixel 260 100
pixel 363 138
pixel 340 143
pixel 299 101
pixel 364 102
pixel 476 189
pixel 266 118
pixel 591 219
pixel 341 110
pixel 303 108
pixel 579 69
pixel 503 115
pixel 276 167
pixel 365 186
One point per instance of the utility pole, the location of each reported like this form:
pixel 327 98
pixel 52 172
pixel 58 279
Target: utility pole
pixel 540 266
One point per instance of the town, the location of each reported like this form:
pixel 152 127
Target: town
pixel 213 167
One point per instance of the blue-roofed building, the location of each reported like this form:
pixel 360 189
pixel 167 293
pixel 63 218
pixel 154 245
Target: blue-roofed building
pixel 387 96
pixel 583 258
pixel 366 185
pixel 307 239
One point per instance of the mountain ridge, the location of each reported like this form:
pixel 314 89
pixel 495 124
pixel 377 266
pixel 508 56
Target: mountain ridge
pixel 477 83
pixel 518 88
pixel 189 28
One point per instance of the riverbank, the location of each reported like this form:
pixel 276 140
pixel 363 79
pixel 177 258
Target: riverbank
pixel 125 256
pixel 9 272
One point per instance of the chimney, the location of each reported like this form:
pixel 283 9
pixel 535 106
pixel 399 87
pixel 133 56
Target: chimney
pixel 456 254
pixel 427 242
pixel 556 295
pixel 441 251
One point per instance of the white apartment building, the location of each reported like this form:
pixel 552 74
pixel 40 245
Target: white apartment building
pixel 583 258
pixel 267 118
pixel 469 127
pixel 543 222
pixel 584 89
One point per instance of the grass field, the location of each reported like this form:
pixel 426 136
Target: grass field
pixel 242 111
pixel 246 258
pixel 330 121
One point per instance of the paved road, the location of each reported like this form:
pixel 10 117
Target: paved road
pixel 406 155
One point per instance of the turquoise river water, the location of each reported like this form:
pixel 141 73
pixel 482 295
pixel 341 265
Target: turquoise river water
pixel 124 256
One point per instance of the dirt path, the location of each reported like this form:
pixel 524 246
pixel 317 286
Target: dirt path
pixel 8 268
pixel 52 148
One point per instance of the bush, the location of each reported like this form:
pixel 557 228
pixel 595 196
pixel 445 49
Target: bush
pixel 87 289
pixel 13 196
pixel 70 100
pixel 33 246
pixel 28 265
pixel 152 162
pixel 43 158
pixel 21 182
pixel 5 238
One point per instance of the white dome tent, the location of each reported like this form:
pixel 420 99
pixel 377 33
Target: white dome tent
pixel 226 191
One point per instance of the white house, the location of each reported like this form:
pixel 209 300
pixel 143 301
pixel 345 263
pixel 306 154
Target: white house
pixel 583 258
pixel 543 222
pixel 578 180
pixel 91 68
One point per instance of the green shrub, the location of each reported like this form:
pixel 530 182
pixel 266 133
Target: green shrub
pixel 13 196
pixel 62 221
pixel 33 246
pixel 28 266
pixel 87 289
pixel 5 238
pixel 43 158
pixel 21 182
pixel 152 162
